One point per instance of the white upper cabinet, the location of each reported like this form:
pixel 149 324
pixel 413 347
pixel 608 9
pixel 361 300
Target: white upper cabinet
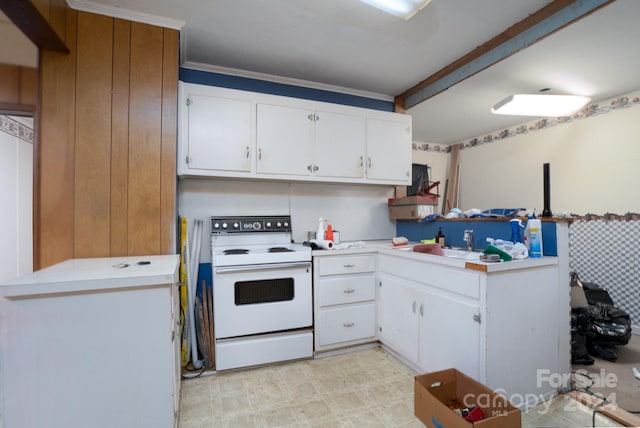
pixel 340 145
pixel 304 142
pixel 232 133
pixel 389 148
pixel 215 134
pixel 285 140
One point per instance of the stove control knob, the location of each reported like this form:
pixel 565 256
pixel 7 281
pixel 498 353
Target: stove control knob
pixel 216 225
pixel 236 226
pixel 286 224
pixel 268 224
pixel 224 225
pixel 257 225
pixel 279 224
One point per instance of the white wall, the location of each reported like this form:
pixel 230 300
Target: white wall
pixel 357 211
pixel 594 166
pixel 16 178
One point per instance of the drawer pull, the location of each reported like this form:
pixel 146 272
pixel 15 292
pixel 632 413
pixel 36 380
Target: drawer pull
pixel 349 291
pixel 349 266
pixel 348 324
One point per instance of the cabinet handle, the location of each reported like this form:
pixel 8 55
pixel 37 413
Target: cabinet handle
pixel 349 291
pixel 369 163
pixel 309 168
pixel 310 117
pixel 316 167
pixel 414 306
pixel 421 309
pixel 349 266
pixel 259 154
pixel 361 161
pixel 248 152
pixel 348 324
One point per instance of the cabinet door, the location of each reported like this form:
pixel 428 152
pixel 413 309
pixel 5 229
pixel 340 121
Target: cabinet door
pixel 449 334
pixel 285 140
pixel 219 134
pixel 389 150
pixel 340 141
pixel 398 320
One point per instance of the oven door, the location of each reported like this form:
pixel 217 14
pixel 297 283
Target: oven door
pixel 261 298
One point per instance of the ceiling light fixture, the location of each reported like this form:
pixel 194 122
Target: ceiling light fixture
pixel 540 105
pixel 401 8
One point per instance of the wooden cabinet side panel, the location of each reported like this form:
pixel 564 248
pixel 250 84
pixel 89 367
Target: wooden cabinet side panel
pixel 145 117
pixel 169 140
pixel 93 134
pixel 55 168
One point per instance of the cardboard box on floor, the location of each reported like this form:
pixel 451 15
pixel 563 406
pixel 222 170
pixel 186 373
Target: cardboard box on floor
pixel 434 391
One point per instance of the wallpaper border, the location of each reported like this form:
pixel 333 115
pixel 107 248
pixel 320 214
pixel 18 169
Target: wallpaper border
pixel 16 129
pixel 629 100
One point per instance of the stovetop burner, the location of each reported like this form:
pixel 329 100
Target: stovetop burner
pixel 279 250
pixel 236 251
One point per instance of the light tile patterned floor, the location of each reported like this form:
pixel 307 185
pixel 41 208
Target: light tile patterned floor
pixel 368 388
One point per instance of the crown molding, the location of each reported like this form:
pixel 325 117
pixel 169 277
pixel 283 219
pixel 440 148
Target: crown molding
pixel 131 15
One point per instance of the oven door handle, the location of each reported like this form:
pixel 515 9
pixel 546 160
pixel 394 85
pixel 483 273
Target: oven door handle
pixel 271 266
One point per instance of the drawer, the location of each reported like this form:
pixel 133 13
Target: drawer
pixel 339 290
pixel 340 265
pixel 345 324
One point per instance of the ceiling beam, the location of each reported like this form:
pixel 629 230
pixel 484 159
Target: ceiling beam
pixel 551 18
pixel 28 19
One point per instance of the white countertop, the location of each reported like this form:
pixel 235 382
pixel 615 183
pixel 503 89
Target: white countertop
pixel 386 247
pixel 75 275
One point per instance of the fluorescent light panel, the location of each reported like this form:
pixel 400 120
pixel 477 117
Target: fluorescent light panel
pixel 540 105
pixel 401 8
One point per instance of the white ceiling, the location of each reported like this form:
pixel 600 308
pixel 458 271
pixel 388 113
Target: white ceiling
pixel 347 45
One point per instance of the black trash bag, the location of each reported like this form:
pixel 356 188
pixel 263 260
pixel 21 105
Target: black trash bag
pixel 608 326
pixel 602 350
pixel 580 327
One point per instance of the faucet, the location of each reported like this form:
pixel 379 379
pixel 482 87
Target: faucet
pixel 468 238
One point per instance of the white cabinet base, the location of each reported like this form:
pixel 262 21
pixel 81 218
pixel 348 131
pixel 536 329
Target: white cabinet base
pixel 252 351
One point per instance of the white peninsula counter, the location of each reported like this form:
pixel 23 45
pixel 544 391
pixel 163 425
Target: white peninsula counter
pixel 91 342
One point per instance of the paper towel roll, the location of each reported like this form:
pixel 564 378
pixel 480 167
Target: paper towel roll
pixel 323 244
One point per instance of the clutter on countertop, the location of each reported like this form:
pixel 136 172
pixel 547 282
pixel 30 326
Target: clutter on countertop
pixel 507 250
pixel 347 245
pixel 399 240
pixel 321 244
pixel 434 249
pixel 440 238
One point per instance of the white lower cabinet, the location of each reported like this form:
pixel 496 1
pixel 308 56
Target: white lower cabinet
pixel 398 323
pixel 449 334
pixel 432 330
pixel 344 301
pixel 500 328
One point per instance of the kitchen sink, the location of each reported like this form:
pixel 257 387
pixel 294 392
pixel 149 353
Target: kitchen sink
pixel 461 254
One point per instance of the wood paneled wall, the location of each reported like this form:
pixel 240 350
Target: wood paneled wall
pixel 108 130
pixel 18 87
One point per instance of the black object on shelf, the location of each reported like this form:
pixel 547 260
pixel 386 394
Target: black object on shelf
pixel 546 181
